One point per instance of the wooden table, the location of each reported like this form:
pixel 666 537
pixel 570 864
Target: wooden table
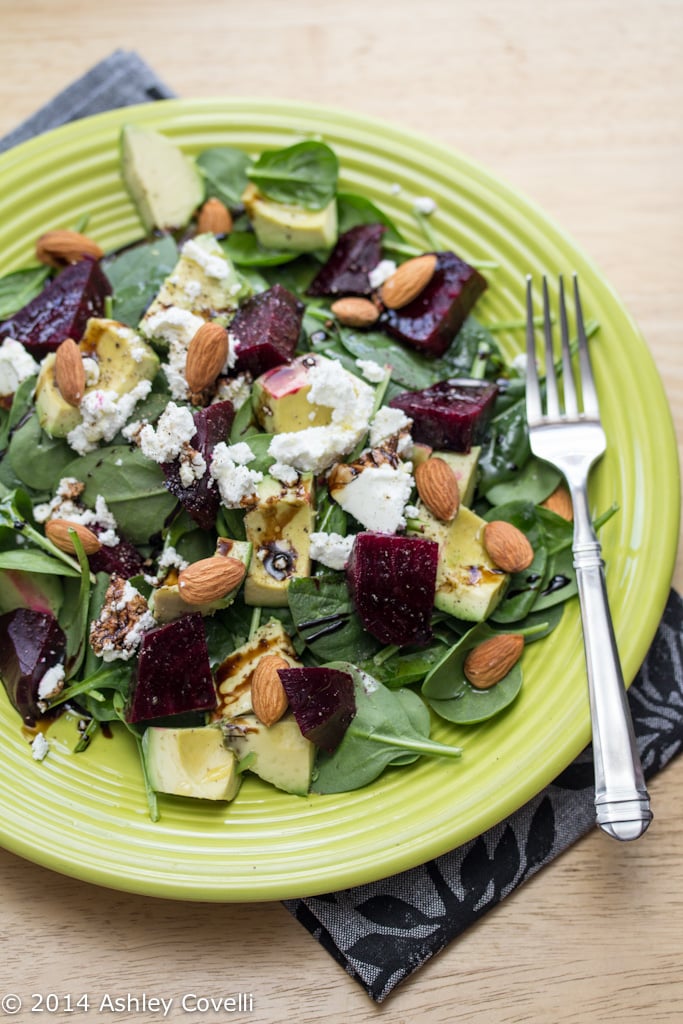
pixel 580 106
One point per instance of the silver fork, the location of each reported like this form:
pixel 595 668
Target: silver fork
pixel 569 435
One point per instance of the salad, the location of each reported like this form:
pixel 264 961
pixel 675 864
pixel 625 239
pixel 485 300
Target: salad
pixel 266 495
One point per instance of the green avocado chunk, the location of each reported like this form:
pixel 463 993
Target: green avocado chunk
pixel 278 754
pixel 191 762
pixel 163 183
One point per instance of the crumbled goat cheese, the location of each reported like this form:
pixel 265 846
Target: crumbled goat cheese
pixel 170 559
pixel 284 473
pixel 65 505
pixel 236 482
pixel 411 512
pixel 175 427
pixel 240 453
pixel 331 549
pixel 52 683
pixel 192 465
pixel 377 497
pixel 520 363
pixel 177 327
pixel 315 448
pixel 39 747
pixel 16 365
pixel 388 422
pixel 103 414
pixel 234 389
pixel 424 205
pixel 124 618
pixel 379 274
pixel 371 370
pixel 213 265
pixel 91 368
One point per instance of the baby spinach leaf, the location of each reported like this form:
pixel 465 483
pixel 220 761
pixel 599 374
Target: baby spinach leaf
pixel 534 482
pixel 388 729
pixel 244 249
pixel 74 613
pixel 224 169
pixel 353 210
pixel 37 459
pixel 304 174
pixel 259 444
pixel 507 449
pixel 402 668
pixel 31 561
pixel 325 619
pixel 132 486
pixel 20 407
pixel 18 288
pixel 136 274
pixel 452 697
pixel 16 513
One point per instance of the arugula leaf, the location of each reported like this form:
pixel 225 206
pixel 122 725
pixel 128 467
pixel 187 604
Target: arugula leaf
pixel 224 169
pixel 304 174
pixel 136 274
pixel 388 729
pixel 17 289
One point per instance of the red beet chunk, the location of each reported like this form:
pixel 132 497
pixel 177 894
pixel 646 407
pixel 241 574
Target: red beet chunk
pixel 173 673
pixel 322 701
pixel 431 321
pixel 452 414
pixel 61 310
pixel 347 271
pixel 202 499
pixel 392 581
pixel 267 328
pixel 123 559
pixel 31 642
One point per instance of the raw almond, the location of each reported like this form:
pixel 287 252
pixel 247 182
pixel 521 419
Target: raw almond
pixel 487 663
pixel 407 281
pixel 210 579
pixel 438 488
pixel 215 217
pixel 69 372
pixel 57 530
pixel 507 546
pixel 268 697
pixel 57 248
pixel 355 312
pixel 560 503
pixel 206 356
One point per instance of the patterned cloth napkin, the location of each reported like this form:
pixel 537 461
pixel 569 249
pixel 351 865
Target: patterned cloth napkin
pixel 383 932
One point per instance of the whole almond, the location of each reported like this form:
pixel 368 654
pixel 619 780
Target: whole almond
pixel 57 530
pixel 355 312
pixel 407 281
pixel 69 372
pixel 507 546
pixel 210 579
pixel 58 248
pixel 438 488
pixel 215 217
pixel 206 356
pixel 560 503
pixel 487 663
pixel 268 697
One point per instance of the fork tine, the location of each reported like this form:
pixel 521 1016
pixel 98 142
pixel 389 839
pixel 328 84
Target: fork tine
pixel 589 393
pixel 533 390
pixel 571 406
pixel 552 396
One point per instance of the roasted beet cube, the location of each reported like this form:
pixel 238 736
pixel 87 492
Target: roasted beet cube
pixel 173 672
pixel 347 271
pixel 452 414
pixel 431 321
pixel 61 310
pixel 201 498
pixel 322 701
pixel 123 558
pixel 267 329
pixel 31 642
pixel 392 581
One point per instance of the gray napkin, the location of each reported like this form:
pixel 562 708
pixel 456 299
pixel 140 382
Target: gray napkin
pixel 382 932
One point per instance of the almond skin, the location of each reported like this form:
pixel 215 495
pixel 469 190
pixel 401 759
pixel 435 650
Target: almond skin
pixel 69 372
pixel 214 217
pixel 58 248
pixel 206 356
pixel 560 503
pixel 355 312
pixel 438 488
pixel 407 281
pixel 487 663
pixel 268 697
pixel 507 546
pixel 210 579
pixel 57 530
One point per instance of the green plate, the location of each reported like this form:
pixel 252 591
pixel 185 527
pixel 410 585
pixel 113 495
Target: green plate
pixel 85 815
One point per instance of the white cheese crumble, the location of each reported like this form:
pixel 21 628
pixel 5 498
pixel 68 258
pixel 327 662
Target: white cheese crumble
pixel 192 465
pixel 16 365
pixel 331 549
pixel 371 370
pixel 103 414
pixel 65 505
pixel 176 327
pixel 170 558
pixel 424 205
pixel 381 273
pixel 236 482
pixel 52 683
pixel 234 389
pixel 212 264
pixel 175 428
pixel 39 747
pixel 123 620
pixel 284 473
pixel 91 369
pixel 377 497
pixel 386 423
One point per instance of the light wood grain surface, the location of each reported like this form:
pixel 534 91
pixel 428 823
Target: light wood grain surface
pixel 580 106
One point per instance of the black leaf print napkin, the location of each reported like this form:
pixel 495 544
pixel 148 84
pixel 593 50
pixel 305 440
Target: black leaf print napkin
pixel 382 932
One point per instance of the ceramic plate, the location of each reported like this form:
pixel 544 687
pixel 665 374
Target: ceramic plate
pixel 85 815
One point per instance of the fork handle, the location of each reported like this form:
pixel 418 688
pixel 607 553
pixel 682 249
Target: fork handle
pixel 622 803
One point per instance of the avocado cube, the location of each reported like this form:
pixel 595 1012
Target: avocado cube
pixel 279 527
pixel 287 226
pixel 279 754
pixel 191 762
